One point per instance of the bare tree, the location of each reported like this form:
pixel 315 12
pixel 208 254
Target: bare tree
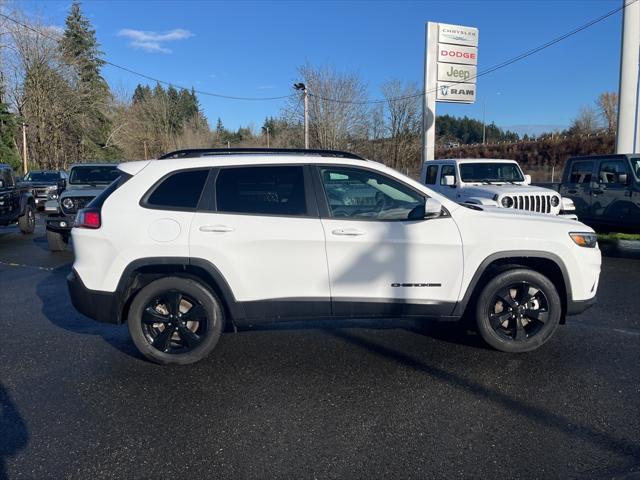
pixel 586 122
pixel 607 102
pixel 337 109
pixel 403 111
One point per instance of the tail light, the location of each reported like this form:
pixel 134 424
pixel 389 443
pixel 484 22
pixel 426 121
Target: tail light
pixel 88 218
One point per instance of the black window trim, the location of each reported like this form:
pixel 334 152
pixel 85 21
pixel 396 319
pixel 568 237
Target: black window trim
pixel 144 200
pixel 426 174
pixel 208 201
pixel 323 202
pixel 576 162
pixel 611 160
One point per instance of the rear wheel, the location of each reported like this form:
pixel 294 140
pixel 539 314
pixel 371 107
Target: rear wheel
pixel 518 311
pixel 27 222
pixel 57 241
pixel 175 320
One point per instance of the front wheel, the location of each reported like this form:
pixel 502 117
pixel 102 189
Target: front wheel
pixel 518 311
pixel 175 320
pixel 27 222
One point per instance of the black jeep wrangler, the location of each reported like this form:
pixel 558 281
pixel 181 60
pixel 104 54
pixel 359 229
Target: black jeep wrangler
pixel 17 204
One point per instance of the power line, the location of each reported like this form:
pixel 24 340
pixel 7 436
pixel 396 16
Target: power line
pixel 148 77
pixel 492 69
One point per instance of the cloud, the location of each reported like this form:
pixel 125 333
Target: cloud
pixel 153 41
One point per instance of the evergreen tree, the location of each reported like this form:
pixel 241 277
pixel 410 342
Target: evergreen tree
pixel 80 50
pixel 8 128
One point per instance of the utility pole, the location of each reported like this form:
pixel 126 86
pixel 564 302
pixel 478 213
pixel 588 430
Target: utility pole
pixel 305 96
pixel 484 123
pixel 25 153
pixel 628 135
pixel 268 146
pixel 146 156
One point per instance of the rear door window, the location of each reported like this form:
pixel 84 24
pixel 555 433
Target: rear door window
pixel 178 191
pixel 581 172
pixel 264 190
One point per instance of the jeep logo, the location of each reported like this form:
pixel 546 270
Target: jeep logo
pixel 458 73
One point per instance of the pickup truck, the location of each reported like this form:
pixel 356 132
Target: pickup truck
pixel 86 181
pixel 46 184
pixel 605 190
pixel 494 183
pixel 17 204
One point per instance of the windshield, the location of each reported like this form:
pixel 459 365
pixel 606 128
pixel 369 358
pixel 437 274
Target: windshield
pixel 94 174
pixel 50 177
pixel 490 172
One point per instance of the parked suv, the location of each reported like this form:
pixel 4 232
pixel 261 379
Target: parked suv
pixel 17 204
pixel 46 184
pixel 86 180
pixel 492 182
pixel 178 247
pixel 605 190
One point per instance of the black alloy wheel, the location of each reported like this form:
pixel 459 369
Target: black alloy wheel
pixel 174 322
pixel 518 310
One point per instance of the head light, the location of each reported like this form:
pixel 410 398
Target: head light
pixel 555 201
pixel 584 239
pixel 52 196
pixel 67 203
pixel 507 202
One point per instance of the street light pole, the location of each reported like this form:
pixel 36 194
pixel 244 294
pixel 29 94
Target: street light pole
pixel 484 123
pixel 305 96
pixel 25 153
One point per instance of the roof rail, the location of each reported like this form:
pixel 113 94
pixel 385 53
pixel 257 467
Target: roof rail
pixel 205 152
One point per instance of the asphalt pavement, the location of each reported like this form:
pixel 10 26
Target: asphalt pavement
pixel 385 399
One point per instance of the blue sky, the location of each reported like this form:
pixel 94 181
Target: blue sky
pixel 254 48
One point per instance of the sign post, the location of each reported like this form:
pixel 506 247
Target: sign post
pixel 450 69
pixel 628 135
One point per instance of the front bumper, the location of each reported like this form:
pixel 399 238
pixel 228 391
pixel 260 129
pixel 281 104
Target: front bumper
pixel 60 223
pixel 98 305
pixel 576 307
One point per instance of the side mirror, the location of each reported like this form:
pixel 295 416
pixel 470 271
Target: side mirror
pixel 623 178
pixel 449 180
pixel 432 208
pixel 527 179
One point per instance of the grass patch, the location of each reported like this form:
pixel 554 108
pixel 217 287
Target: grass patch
pixel 619 236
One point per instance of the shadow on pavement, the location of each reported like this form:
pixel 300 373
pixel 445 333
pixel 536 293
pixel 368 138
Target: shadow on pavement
pixel 539 415
pixel 13 431
pixel 57 308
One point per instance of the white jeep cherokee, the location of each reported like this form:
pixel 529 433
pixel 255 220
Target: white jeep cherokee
pixel 493 183
pixel 177 247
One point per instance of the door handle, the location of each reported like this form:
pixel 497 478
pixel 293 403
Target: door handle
pixel 216 228
pixel 348 232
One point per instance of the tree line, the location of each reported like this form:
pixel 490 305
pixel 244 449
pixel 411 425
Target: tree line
pixel 52 82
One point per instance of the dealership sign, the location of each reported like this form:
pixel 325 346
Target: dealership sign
pixel 456 92
pixel 456 73
pixel 457 35
pixel 450 73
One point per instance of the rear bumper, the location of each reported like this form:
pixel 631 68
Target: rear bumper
pixel 576 307
pixel 98 305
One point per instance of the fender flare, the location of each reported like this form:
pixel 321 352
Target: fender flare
pixel 235 308
pixel 26 198
pixel 512 254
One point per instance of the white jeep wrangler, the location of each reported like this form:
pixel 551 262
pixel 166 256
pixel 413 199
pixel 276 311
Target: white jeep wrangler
pixel 491 182
pixel 176 247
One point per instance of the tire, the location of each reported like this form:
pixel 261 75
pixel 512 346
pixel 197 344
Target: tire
pixel 57 241
pixel 27 222
pixel 518 311
pixel 162 307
